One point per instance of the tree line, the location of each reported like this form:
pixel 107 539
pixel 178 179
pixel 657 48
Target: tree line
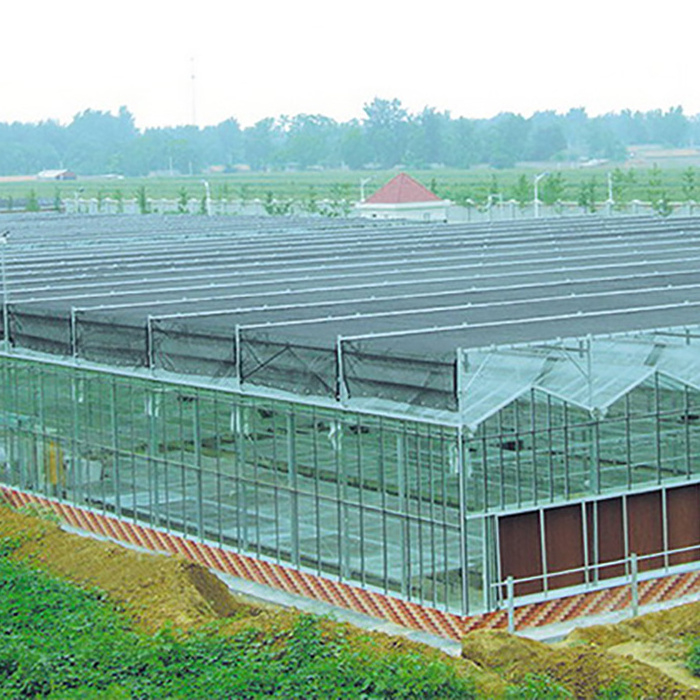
pixel 98 142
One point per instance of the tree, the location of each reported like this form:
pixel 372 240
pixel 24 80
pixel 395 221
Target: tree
pixel 309 141
pixel 462 146
pixel 261 143
pixel 622 182
pixel 574 124
pixel 183 201
pixel 552 189
pixel 221 144
pixel 386 126
pixel 670 128
pixel 689 185
pixel 310 203
pixel 32 202
pixel 338 203
pixel 587 195
pixel 506 136
pixel 545 142
pixel 428 135
pixel 96 140
pixel 142 200
pixel 118 197
pixel 354 145
pixel 658 197
pixel 601 142
pixel 523 192
pixel 274 207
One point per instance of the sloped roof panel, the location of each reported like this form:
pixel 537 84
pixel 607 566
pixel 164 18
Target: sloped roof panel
pixel 402 189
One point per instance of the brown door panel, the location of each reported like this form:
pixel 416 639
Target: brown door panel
pixel 611 535
pixel 683 508
pixel 564 545
pixel 645 528
pixel 519 540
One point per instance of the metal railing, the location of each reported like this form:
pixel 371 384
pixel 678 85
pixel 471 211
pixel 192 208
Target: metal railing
pixel 592 580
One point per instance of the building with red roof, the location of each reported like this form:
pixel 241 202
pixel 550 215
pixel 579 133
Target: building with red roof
pixel 404 198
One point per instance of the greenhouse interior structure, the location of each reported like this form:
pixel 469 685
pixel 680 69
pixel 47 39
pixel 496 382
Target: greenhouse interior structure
pixel 420 410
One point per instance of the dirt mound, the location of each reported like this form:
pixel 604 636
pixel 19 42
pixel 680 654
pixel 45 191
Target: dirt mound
pixel 154 590
pixel 647 653
pixel 658 639
pixel 583 669
pixel 682 621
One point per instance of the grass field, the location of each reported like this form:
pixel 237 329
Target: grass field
pixel 563 182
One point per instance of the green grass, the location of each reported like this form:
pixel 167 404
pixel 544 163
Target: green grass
pixel 61 642
pixel 693 658
pixel 458 185
pixel 538 687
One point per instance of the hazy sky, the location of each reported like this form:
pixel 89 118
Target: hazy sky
pixel 274 57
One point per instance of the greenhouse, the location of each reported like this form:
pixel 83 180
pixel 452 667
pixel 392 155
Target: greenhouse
pixel 422 410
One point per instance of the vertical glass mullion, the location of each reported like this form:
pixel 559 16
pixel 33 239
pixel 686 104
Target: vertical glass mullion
pixel 218 468
pixel 686 429
pixel 533 447
pixel 383 486
pixel 133 438
pixel 445 444
pixel 657 427
pixel 360 499
pixel 501 461
pixel 256 481
pixel 115 446
pixel 628 440
pixel 419 510
pixel 39 428
pixel 293 486
pixel 198 465
pixel 550 445
pixel 431 515
pixel 566 428
pixel 518 442
pixel 317 499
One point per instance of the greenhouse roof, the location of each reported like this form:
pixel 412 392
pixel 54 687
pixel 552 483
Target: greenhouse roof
pixel 360 310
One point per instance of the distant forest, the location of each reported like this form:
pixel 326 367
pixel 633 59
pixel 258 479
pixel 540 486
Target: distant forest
pixel 97 142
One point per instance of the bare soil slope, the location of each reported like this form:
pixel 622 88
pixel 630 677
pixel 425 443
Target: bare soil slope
pixel 156 590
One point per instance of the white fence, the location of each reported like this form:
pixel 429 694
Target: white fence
pixel 497 211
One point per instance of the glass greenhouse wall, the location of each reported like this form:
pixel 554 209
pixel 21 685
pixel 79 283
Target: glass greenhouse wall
pixel 422 510
pixel 370 500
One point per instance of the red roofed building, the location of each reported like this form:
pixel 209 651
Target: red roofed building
pixel 404 198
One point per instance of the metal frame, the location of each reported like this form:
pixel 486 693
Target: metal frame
pixel 407 480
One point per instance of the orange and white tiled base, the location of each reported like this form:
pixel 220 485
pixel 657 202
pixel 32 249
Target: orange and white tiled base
pixel 401 612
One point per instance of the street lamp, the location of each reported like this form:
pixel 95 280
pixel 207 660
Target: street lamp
pixel 496 197
pixel 208 197
pixel 363 182
pixel 78 195
pixel 4 237
pixel 611 199
pixel 537 192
